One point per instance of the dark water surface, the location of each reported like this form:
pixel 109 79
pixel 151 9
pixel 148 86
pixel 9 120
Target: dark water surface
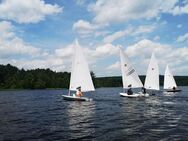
pixel 43 115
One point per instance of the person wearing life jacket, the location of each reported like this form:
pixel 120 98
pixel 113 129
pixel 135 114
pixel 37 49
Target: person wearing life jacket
pixel 143 90
pixel 129 91
pixel 79 92
pixel 174 88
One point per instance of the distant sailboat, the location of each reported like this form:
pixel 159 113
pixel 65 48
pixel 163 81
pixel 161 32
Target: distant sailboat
pixel 169 81
pixel 152 76
pixel 80 75
pixel 129 76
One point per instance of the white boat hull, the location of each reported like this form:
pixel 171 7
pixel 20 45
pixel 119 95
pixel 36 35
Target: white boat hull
pixel 76 98
pixel 134 95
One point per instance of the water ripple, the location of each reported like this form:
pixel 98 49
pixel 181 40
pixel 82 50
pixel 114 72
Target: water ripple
pixel 43 115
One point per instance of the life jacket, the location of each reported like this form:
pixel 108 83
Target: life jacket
pixel 78 93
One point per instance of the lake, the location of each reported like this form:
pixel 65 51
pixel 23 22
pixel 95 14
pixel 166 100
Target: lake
pixel 43 115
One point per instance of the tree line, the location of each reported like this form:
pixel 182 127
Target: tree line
pixel 13 78
pixel 116 81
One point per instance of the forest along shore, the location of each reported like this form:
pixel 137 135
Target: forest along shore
pixel 13 78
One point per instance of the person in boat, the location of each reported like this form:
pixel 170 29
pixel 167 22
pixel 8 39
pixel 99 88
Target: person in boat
pixel 129 91
pixel 174 88
pixel 79 92
pixel 143 90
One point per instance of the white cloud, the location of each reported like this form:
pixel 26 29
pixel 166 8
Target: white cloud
pixel 166 54
pixel 80 2
pixel 131 31
pixel 60 59
pixel 182 38
pixel 106 50
pixel 17 46
pixel 93 56
pixel 115 66
pixel 140 53
pixel 56 64
pixel 85 28
pixel 180 10
pixel 144 29
pixel 101 33
pixel 10 44
pixel 65 51
pixel 179 25
pixel 156 38
pixel 6 30
pixel 110 11
pixel 27 11
pixel 116 35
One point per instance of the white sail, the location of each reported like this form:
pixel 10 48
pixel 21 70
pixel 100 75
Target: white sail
pixel 129 75
pixel 80 74
pixel 169 81
pixel 152 76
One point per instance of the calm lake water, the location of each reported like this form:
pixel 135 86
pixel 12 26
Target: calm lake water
pixel 43 115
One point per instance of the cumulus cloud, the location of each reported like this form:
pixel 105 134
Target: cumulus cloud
pixel 16 51
pixel 60 59
pixel 182 38
pixel 131 31
pixel 54 63
pixel 6 30
pixel 65 51
pixel 10 44
pixel 140 53
pixel 115 66
pixel 110 11
pixel 27 11
pixel 116 35
pixel 85 28
pixel 178 10
pixel 166 54
pixel 93 55
pixel 156 38
pixel 179 25
pixel 80 2
pixel 105 50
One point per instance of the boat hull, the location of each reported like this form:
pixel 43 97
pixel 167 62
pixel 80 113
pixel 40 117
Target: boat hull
pixel 173 91
pixel 134 95
pixel 76 98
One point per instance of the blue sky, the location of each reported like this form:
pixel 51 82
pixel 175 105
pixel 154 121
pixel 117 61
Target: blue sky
pixel 41 33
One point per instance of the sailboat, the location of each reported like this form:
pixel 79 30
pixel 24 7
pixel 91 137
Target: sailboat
pixel 80 76
pixel 152 76
pixel 169 81
pixel 129 76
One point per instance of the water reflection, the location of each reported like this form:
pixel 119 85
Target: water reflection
pixel 153 109
pixel 162 116
pixel 79 117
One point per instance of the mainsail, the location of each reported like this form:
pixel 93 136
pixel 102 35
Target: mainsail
pixel 152 76
pixel 80 74
pixel 129 75
pixel 169 81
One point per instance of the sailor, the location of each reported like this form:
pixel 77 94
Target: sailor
pixel 174 88
pixel 79 92
pixel 129 91
pixel 143 90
